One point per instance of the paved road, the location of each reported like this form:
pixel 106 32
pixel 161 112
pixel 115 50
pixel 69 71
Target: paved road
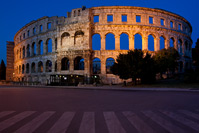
pixel 55 110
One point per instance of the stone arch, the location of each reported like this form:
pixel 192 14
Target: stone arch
pixel 23 69
pixel 33 68
pixel 55 43
pixel 40 48
pixel 65 38
pixel 151 42
pixel 96 41
pixel 65 63
pixel 79 63
pixel 28 50
pixel 162 42
pixel 179 45
pixel 55 66
pixel 124 41
pixel 19 69
pixel 110 41
pixel 40 67
pixel 48 66
pixel 186 45
pixel 138 41
pixel 109 62
pixel 78 37
pixel 27 68
pixel 24 51
pixel 171 42
pixel 49 45
pixel 34 48
pixel 96 66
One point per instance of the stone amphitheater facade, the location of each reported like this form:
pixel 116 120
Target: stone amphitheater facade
pixel 63 45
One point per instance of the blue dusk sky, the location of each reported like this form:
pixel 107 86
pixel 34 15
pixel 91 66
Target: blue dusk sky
pixel 17 13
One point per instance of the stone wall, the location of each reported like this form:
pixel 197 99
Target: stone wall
pixel 71 40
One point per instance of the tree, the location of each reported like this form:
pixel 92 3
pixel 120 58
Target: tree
pixel 2 71
pixel 135 65
pixel 195 55
pixel 166 60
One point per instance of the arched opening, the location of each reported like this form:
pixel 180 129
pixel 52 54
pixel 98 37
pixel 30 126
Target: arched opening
pixel 48 66
pixel 17 54
pixel 28 51
pixel 65 38
pixel 19 69
pixel 49 45
pixel 79 63
pixel 151 43
pixel 109 64
pixel 33 68
pixel 171 42
pixel 96 66
pixel 40 67
pixel 180 46
pixel 124 41
pixel 27 68
pixel 186 46
pixel 78 38
pixel 65 64
pixel 138 41
pixel 110 41
pixel 55 43
pixel 23 68
pixel 55 66
pixel 162 42
pixel 40 47
pixel 33 49
pixel 24 51
pixel 96 42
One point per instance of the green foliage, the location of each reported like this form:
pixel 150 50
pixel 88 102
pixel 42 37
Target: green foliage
pixel 2 71
pixel 166 60
pixel 135 65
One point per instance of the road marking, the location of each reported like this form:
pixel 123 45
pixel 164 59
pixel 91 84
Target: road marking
pixel 11 121
pixel 138 123
pixel 88 123
pixel 4 113
pixel 35 123
pixel 163 123
pixel 114 125
pixel 62 124
pixel 191 114
pixel 182 120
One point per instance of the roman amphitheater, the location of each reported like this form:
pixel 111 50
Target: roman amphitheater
pixel 86 43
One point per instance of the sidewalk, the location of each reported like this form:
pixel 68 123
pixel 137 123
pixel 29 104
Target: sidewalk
pixel 128 88
pixel 112 87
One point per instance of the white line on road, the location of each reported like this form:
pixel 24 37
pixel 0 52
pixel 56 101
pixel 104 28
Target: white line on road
pixel 191 114
pixel 62 124
pixel 4 113
pixel 182 120
pixel 35 123
pixel 88 123
pixel 114 125
pixel 163 123
pixel 138 123
pixel 11 121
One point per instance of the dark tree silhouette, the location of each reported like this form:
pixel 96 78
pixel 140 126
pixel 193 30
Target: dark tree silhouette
pixel 135 65
pixel 166 60
pixel 195 55
pixel 2 71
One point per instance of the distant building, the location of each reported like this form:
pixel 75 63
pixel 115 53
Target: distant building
pixel 10 61
pixel 53 49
